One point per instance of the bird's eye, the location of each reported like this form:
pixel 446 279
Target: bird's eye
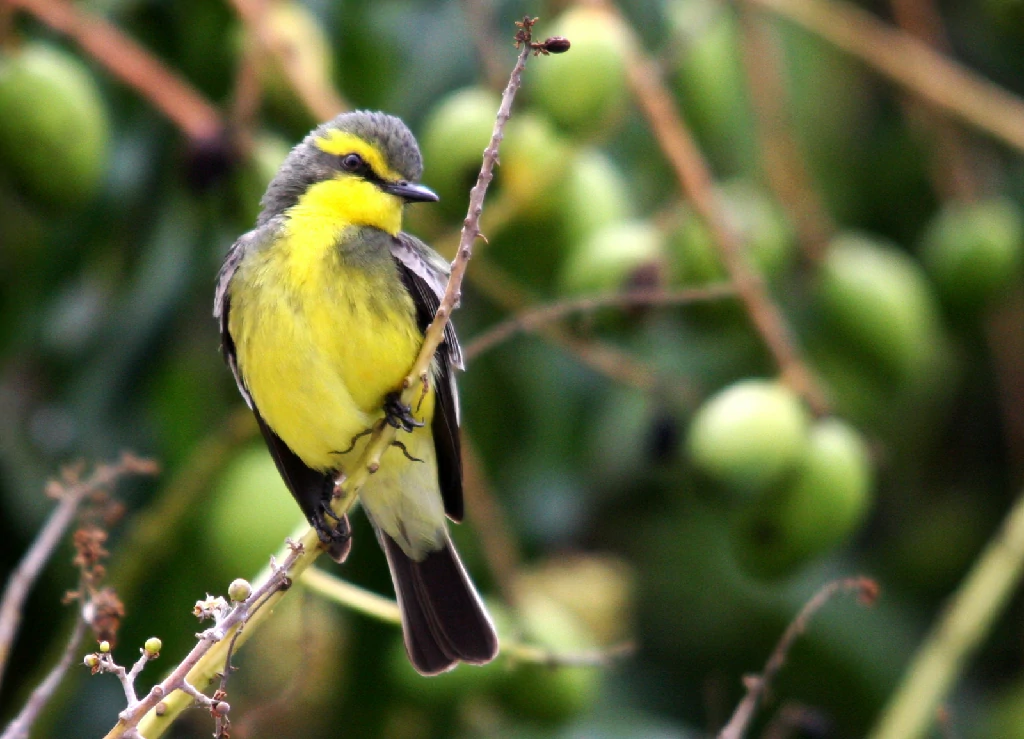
pixel 352 163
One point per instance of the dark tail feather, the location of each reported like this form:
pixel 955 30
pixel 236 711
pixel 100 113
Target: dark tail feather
pixel 442 617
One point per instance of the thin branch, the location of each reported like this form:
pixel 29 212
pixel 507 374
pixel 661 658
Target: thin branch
pixel 784 165
pixel 489 522
pixel 132 64
pixel 209 656
pixel 21 725
pixel 924 72
pixel 27 572
pixel 319 97
pixel 386 610
pixel 952 172
pixel 212 645
pixel 533 318
pixel 680 149
pixel 757 685
pixel 958 632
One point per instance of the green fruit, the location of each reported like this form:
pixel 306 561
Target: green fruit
pixel 534 162
pixel 584 90
pixel 595 194
pixel 610 257
pixel 53 125
pixel 454 137
pixel 712 80
pixel 974 251
pixel 250 514
pixel 876 298
pixel 749 435
pixel 756 221
pixel 818 510
pixel 550 694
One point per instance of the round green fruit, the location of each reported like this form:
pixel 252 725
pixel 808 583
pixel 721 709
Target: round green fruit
pixel 878 300
pixel 53 125
pixel 550 694
pixel 757 222
pixel 534 161
pixel 250 514
pixel 749 435
pixel 595 194
pixel 584 90
pixel 454 137
pixel 611 257
pixel 974 251
pixel 817 511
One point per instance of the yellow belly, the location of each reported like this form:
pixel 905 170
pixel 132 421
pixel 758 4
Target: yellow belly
pixel 315 354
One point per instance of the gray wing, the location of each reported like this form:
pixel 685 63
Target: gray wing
pixel 425 275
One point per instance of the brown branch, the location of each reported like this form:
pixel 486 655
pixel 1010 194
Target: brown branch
pixel 132 64
pixel 533 318
pixel 500 548
pixel 784 165
pixel 22 723
pixel 319 97
pixel 952 170
pixel 924 72
pixel 680 149
pixel 757 685
pixel 71 493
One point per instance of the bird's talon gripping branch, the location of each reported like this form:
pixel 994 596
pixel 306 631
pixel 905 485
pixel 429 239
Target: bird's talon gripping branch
pixel 331 535
pixel 398 415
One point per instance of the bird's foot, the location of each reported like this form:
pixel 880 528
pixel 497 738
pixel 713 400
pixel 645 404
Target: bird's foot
pixel 336 537
pixel 405 451
pixel 356 438
pixel 398 415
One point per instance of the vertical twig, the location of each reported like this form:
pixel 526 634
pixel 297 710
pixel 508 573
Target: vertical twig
pixel 757 685
pixel 27 572
pixel 679 147
pixel 21 725
pixel 784 165
pixel 958 633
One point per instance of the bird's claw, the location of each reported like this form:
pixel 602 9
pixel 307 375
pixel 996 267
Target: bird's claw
pixel 398 415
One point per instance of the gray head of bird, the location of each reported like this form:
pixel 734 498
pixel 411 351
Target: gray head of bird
pixel 362 148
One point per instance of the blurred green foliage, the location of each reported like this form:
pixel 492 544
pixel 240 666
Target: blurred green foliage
pixel 112 227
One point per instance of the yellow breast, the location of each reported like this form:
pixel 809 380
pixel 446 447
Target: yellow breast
pixel 317 342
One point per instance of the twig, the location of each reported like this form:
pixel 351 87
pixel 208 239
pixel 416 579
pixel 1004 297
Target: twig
pixel 532 318
pixel 207 658
pixel 21 725
pixel 71 494
pixel 958 632
pixel 794 716
pixel 181 681
pixel 924 72
pixel 951 168
pixel 489 522
pixel 678 145
pixel 757 685
pixel 132 64
pixel 784 165
pixel 320 99
pixel 384 609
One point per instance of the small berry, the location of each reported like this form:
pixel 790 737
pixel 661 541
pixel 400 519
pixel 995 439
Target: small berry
pixel 92 661
pixel 153 646
pixel 239 590
pixel 105 647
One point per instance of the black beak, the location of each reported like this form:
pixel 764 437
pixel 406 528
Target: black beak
pixel 410 192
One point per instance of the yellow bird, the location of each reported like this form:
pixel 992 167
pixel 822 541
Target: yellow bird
pixel 322 309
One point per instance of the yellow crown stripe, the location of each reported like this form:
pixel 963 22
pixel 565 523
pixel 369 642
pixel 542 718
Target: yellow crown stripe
pixel 340 143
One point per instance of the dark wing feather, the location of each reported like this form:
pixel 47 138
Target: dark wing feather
pixel 425 274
